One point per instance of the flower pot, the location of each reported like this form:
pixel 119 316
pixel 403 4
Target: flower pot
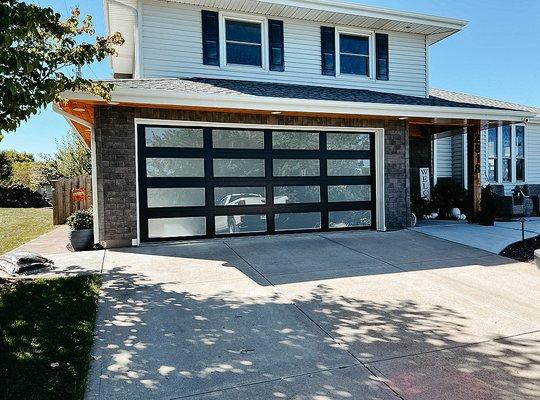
pixel 82 239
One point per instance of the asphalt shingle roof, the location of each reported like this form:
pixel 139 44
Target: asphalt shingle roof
pixel 438 98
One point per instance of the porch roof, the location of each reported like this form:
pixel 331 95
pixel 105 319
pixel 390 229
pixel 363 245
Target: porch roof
pixel 442 111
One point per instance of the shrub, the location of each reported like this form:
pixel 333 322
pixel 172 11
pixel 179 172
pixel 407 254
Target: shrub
pixel 488 207
pixel 82 219
pixel 447 195
pixel 421 206
pixel 18 196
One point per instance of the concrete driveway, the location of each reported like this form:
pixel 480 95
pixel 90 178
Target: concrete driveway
pixel 356 315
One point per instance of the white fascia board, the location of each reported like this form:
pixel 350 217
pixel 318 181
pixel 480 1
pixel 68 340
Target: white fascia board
pixel 247 102
pixel 373 12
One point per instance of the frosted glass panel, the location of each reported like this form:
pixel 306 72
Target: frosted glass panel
pixel 174 167
pixel 296 167
pixel 347 141
pixel 239 196
pixel 176 227
pixel 229 167
pixel 229 224
pixel 297 221
pixel 337 193
pixel 295 141
pixel 234 139
pixel 349 219
pixel 296 194
pixel 175 197
pixel 174 137
pixel 348 168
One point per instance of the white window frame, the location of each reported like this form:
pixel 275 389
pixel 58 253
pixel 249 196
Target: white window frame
pixel 371 53
pixel 513 156
pixel 262 21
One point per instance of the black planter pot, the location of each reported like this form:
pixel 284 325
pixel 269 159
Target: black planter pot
pixel 82 239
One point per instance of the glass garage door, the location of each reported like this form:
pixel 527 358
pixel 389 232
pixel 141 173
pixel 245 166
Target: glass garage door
pixel 209 182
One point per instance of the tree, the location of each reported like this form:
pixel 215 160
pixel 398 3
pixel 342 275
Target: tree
pixel 71 159
pixel 37 49
pixel 19 156
pixel 6 168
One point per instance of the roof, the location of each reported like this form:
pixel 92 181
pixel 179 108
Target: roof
pixel 234 88
pixel 267 96
pixel 122 15
pixel 480 101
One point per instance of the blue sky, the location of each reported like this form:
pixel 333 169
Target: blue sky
pixel 497 55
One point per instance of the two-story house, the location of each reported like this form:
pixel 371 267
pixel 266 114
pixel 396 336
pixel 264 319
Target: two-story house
pixel 261 117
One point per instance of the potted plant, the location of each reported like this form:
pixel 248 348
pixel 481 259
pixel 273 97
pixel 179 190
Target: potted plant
pixel 81 235
pixel 448 195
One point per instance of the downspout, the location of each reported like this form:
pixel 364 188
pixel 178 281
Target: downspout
pixel 95 204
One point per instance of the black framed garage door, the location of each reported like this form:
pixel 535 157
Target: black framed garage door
pixel 199 182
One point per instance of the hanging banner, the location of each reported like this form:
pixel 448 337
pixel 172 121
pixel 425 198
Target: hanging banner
pixel 425 184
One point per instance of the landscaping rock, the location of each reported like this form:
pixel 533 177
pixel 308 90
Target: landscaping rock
pixel 23 263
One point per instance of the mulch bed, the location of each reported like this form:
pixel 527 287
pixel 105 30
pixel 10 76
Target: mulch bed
pixel 522 251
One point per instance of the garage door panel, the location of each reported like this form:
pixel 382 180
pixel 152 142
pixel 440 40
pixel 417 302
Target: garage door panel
pixel 243 182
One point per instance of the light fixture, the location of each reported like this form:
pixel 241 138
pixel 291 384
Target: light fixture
pixel 79 109
pixel 276 112
pixel 113 103
pixel 403 118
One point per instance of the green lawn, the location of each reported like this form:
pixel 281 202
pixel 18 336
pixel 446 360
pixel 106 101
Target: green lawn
pixel 19 225
pixel 46 330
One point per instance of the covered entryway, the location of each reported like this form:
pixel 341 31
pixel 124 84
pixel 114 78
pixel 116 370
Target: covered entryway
pixel 207 181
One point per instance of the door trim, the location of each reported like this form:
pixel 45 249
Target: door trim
pixel 380 222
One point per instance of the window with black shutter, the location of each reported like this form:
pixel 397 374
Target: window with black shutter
pixel 381 45
pixel 210 37
pixel 328 50
pixel 275 40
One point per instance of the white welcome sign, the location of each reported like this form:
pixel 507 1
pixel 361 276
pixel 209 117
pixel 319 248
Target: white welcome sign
pixel 425 186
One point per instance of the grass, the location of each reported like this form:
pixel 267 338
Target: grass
pixel 19 225
pixel 46 328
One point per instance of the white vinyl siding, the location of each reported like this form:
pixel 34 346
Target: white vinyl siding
pixel 444 157
pixel 532 153
pixel 172 47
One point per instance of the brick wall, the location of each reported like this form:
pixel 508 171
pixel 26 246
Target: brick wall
pixel 115 149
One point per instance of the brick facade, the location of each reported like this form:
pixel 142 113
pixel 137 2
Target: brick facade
pixel 115 149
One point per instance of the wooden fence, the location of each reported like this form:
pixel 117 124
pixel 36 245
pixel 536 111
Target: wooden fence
pixel 70 195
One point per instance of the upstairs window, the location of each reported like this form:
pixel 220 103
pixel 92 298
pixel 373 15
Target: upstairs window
pixel 354 54
pixel 243 41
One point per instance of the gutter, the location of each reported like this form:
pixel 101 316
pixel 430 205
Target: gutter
pixel 95 204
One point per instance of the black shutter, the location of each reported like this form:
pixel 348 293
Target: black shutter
pixel 275 39
pixel 381 53
pixel 210 37
pixel 328 50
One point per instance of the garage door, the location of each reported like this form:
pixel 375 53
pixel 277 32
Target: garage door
pixel 207 182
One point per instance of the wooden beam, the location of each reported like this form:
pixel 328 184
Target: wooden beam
pixel 474 161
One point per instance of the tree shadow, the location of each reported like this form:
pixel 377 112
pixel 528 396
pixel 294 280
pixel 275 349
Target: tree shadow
pixel 237 339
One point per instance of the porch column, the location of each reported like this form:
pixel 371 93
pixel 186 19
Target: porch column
pixel 473 170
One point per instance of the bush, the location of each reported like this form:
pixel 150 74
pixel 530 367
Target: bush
pixel 421 206
pixel 18 196
pixel 82 219
pixel 488 207
pixel 447 195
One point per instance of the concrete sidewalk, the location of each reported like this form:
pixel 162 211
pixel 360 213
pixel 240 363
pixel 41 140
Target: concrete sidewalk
pixel 348 315
pixel 490 238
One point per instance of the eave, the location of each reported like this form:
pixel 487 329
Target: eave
pixel 171 98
